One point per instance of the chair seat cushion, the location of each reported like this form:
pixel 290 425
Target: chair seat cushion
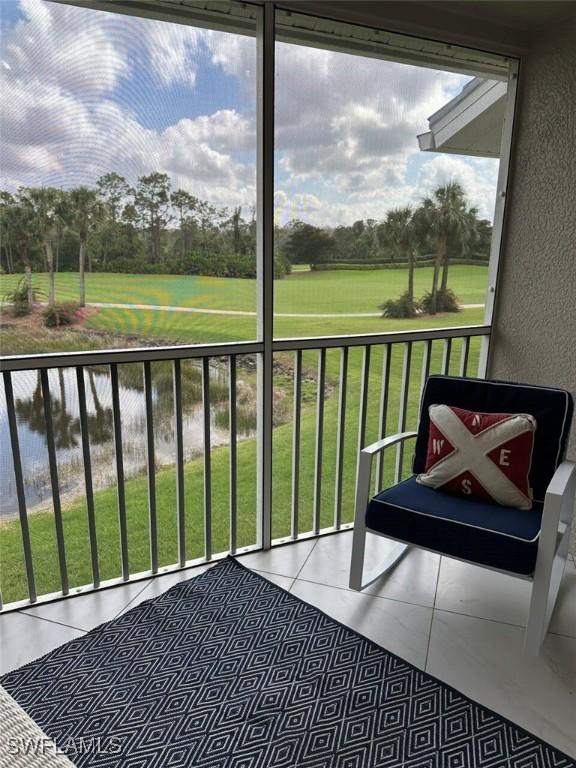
pixel 482 532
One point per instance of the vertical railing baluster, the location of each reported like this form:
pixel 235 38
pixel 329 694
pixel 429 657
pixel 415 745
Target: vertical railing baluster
pixel 365 378
pixel 120 489
pixel 319 439
pixel 179 443
pixel 55 485
pixel 447 351
pixel 384 390
pixel 483 350
pixel 152 518
pixel 233 470
pixel 19 480
pixel 84 434
pixel 294 516
pixel 403 412
pixel 426 360
pixel 340 438
pixel 464 355
pixel 207 459
pixel 364 397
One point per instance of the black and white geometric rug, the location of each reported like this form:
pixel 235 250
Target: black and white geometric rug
pixel 228 670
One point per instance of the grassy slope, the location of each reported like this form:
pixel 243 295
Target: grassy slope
pixel 42 524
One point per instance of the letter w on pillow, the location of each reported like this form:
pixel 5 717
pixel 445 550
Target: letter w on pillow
pixel 480 455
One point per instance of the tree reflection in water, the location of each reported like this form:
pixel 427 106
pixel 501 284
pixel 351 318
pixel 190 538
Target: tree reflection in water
pixel 29 406
pixel 100 426
pixel 66 425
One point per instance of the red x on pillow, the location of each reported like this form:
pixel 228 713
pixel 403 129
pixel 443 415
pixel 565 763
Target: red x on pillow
pixel 480 455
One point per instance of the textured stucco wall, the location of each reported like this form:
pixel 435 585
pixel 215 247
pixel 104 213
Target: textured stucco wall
pixel 534 337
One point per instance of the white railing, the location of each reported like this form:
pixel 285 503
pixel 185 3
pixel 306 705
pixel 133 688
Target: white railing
pixel 300 354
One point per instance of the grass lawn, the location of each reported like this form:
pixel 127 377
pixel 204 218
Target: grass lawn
pixel 197 329
pixel 303 291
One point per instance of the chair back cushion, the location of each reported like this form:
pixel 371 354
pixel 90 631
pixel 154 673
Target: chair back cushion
pixel 552 409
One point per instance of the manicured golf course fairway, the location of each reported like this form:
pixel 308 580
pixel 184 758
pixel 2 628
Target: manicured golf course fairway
pixel 302 291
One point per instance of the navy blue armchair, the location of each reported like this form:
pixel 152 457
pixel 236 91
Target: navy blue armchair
pixel 530 544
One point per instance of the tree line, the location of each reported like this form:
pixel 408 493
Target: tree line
pixel 150 227
pixel 116 227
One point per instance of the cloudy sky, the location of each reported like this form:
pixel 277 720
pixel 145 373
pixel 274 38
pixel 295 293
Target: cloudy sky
pixel 86 92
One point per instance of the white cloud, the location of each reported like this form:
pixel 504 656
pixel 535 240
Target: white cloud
pixel 70 47
pixel 39 114
pixel 24 160
pixel 172 50
pixel 91 142
pixel 225 131
pixel 199 156
pixel 356 119
pixel 299 206
pixel 322 212
pixel 478 176
pixel 348 125
pixel 345 126
pixel 62 123
pixel 235 54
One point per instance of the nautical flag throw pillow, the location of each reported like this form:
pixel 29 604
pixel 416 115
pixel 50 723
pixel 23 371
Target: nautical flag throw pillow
pixel 480 455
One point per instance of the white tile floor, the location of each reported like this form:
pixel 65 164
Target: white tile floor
pixel 461 623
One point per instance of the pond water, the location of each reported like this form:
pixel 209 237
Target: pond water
pixel 65 416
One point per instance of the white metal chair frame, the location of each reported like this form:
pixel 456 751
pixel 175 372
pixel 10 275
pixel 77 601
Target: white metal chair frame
pixel 552 545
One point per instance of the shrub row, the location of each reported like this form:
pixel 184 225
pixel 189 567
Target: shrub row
pixel 363 266
pixel 207 265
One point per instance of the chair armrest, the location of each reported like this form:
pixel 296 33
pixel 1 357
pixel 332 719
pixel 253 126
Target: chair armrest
pixel 365 466
pixel 552 552
pixel 558 511
pixel 381 445
pixel 560 483
pixel 559 499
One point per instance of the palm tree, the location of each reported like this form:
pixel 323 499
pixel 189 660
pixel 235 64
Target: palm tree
pixel 44 205
pixel 445 216
pixel 400 234
pixel 473 234
pixel 461 239
pixel 83 213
